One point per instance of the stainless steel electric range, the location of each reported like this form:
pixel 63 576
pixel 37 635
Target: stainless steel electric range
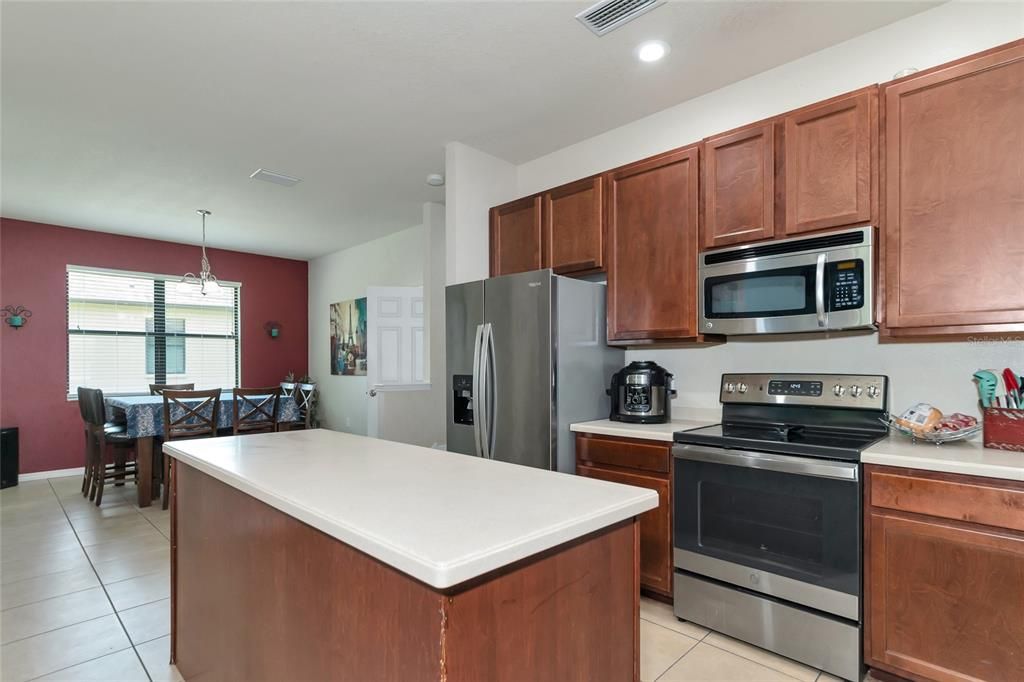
pixel 767 525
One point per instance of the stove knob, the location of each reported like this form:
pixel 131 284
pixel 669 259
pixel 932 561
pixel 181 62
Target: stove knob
pixel 730 387
pixel 872 391
pixel 742 388
pixel 838 390
pixel 855 391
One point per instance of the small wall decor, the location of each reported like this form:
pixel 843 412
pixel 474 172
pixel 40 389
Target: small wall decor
pixel 348 337
pixel 16 316
pixel 273 329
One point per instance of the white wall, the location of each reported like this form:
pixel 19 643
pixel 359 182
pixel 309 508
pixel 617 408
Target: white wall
pixel 938 35
pixel 395 260
pixel 937 372
pixel 474 182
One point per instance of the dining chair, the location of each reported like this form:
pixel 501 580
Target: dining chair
pixel 255 409
pixel 158 389
pixel 102 435
pixel 187 414
pixel 303 394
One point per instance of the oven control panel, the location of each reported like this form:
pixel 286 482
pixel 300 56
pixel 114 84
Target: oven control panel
pixel 863 391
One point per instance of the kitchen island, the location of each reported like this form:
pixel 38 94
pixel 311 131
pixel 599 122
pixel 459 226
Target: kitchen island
pixel 319 555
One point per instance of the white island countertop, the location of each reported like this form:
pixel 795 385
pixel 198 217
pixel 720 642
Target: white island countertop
pixel 440 517
pixel 967 457
pixel 662 432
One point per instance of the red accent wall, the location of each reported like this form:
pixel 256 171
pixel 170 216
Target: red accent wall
pixel 33 359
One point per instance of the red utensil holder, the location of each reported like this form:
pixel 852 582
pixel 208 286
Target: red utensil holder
pixel 1004 428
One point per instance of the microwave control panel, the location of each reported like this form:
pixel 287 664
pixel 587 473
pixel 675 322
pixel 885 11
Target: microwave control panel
pixel 845 281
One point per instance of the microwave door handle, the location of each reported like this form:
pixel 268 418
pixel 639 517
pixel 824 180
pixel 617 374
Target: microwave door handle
pixel 819 290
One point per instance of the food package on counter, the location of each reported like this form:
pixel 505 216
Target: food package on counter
pixel 956 422
pixel 920 418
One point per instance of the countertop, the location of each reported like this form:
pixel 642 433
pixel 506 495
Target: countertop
pixel 662 432
pixel 961 457
pixel 442 518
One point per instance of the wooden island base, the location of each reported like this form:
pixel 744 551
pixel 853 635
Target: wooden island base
pixel 259 595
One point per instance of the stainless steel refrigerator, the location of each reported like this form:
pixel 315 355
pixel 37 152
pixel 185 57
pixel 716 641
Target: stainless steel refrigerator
pixel 526 357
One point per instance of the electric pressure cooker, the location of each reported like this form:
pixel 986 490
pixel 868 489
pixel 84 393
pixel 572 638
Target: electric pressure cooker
pixel 642 393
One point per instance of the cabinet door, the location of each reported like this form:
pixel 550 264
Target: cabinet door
pixel 944 599
pixel 574 226
pixel 739 186
pixel 954 194
pixel 829 171
pixel 655 526
pixel 516 244
pixel 652 248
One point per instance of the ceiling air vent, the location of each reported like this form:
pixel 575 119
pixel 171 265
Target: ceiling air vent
pixel 276 178
pixel 610 14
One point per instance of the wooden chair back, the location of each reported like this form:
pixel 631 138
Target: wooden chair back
pixel 304 399
pixel 83 404
pixel 190 414
pixel 255 409
pixel 158 389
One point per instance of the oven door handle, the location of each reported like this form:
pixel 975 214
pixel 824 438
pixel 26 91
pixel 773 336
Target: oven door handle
pixel 804 466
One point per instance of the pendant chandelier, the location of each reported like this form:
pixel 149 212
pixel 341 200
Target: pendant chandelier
pixel 206 281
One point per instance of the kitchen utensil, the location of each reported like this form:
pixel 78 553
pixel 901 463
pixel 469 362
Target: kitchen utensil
pixel 1012 386
pixel 988 385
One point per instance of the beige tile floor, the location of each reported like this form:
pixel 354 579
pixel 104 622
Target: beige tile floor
pixel 84 595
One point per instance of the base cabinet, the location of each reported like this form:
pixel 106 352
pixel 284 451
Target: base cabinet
pixel 619 460
pixel 945 588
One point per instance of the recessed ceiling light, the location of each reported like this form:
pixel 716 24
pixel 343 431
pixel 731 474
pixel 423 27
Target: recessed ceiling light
pixel 652 51
pixel 276 178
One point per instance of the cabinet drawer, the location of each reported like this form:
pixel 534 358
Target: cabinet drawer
pixel 621 452
pixel 947 496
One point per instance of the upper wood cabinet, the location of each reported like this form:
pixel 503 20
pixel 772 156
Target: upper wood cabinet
pixel 739 186
pixel 953 231
pixel 944 576
pixel 516 237
pixel 574 226
pixel 829 169
pixel 652 248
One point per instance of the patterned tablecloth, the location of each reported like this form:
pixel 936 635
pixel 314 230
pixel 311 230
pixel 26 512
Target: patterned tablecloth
pixel 144 414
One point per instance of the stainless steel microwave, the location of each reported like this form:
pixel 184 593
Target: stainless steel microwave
pixel 803 284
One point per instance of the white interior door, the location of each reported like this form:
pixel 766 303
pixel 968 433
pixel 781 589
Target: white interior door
pixel 396 353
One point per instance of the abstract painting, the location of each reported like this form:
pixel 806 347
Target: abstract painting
pixel 348 337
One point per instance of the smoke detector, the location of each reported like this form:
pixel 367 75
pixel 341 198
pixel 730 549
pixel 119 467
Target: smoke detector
pixel 608 15
pixel 276 178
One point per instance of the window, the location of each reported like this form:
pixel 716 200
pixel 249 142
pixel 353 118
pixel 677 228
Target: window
pixel 174 349
pixel 127 330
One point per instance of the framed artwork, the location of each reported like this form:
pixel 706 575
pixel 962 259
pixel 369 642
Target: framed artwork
pixel 348 337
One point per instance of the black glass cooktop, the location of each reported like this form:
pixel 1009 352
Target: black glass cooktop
pixel 844 444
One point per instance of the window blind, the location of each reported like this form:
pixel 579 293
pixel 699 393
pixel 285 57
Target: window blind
pixel 127 330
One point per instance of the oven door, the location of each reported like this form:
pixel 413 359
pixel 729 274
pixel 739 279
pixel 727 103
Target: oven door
pixel 802 292
pixel 775 524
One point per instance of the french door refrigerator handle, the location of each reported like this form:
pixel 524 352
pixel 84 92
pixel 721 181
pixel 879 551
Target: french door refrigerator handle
pixel 490 389
pixel 805 466
pixel 478 412
pixel 819 289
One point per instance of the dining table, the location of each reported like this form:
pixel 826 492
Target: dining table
pixel 143 417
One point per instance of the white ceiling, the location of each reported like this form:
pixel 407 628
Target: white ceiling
pixel 125 117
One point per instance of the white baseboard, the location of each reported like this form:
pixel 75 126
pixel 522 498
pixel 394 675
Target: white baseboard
pixel 55 473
